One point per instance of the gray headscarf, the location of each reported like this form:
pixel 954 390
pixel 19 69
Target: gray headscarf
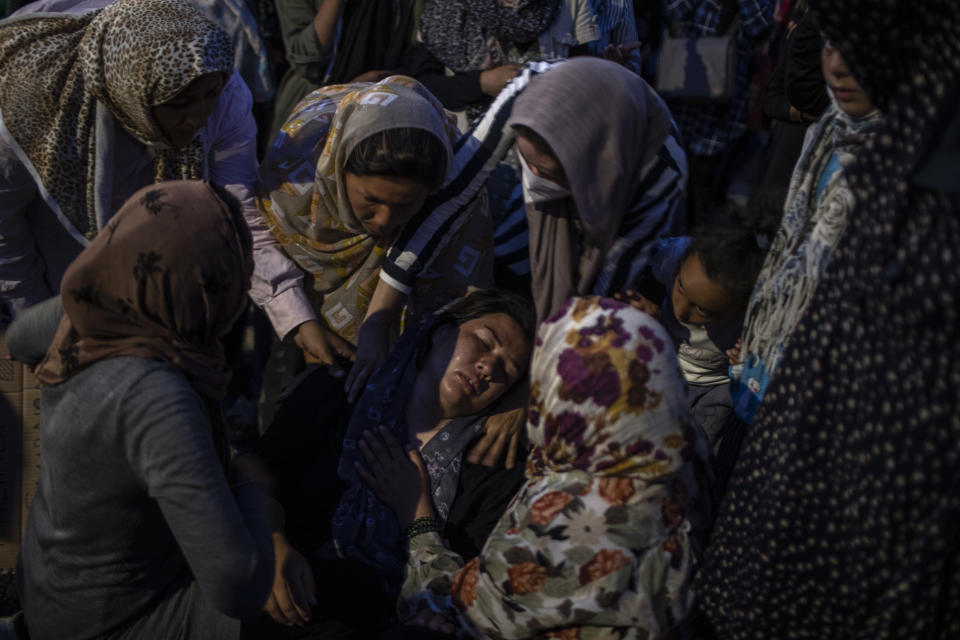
pixel 608 129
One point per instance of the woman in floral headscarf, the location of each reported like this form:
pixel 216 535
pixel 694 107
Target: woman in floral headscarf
pixel 603 537
pixel 96 104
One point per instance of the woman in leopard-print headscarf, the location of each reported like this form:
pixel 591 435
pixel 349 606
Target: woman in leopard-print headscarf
pixel 96 105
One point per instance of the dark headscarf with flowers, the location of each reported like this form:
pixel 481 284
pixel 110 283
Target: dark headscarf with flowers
pixel 165 281
pixel 842 514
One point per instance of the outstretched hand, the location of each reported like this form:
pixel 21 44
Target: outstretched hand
pixel 322 345
pixel 432 620
pixel 398 478
pixel 638 301
pixel 373 345
pixel 620 53
pixel 501 434
pixel 293 591
pixel 733 353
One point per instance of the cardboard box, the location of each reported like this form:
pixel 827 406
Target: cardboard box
pixel 19 451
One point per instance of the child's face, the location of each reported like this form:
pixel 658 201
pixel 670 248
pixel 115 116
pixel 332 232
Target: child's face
pixel 696 298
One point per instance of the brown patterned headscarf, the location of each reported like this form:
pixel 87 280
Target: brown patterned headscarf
pixel 164 281
pixel 128 57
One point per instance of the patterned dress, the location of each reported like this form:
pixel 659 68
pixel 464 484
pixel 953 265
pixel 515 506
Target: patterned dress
pixel 843 510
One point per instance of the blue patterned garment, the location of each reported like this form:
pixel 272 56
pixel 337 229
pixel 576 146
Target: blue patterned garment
pixel 616 24
pixel 709 129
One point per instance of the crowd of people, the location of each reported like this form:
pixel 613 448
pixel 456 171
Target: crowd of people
pixel 521 368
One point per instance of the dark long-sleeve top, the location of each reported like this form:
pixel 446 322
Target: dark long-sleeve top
pixel 133 503
pixel 797 79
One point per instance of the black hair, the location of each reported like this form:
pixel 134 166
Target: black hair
pixel 404 152
pixel 483 302
pixel 536 140
pixel 732 252
pixel 236 212
pixel 541 145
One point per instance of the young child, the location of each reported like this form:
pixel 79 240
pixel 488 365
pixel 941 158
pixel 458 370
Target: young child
pixel 708 281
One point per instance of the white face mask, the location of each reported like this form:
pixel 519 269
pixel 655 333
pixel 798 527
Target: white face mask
pixel 537 189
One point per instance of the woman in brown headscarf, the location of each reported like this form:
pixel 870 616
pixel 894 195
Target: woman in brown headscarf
pixel 135 531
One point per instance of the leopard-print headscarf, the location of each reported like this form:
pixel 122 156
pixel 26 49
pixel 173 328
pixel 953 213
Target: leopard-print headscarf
pixel 130 56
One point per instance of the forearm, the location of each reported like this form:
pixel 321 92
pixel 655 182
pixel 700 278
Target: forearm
pixel 276 285
pixel 32 333
pixel 385 303
pixel 325 23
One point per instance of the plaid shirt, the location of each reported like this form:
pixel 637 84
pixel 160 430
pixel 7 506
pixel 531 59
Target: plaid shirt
pixel 708 129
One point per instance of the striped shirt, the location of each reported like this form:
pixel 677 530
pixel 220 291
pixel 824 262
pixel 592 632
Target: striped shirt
pixel 657 210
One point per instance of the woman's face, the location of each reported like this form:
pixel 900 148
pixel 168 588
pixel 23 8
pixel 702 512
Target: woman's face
pixel 477 362
pixel 543 165
pixel 181 116
pixel 383 204
pixel 850 96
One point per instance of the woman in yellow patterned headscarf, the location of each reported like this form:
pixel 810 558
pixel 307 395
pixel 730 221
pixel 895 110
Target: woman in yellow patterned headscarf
pixel 350 167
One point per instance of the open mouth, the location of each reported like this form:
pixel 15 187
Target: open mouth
pixel 472 386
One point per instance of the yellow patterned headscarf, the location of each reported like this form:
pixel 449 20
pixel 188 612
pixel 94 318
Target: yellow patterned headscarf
pixel 303 196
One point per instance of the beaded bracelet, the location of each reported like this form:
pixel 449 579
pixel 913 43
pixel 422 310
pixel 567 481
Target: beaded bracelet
pixel 422 525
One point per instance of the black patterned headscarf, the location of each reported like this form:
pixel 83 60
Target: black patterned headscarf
pixel 470 35
pixel 843 513
pixel 128 57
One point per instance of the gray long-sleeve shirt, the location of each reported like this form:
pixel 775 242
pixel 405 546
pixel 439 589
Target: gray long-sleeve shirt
pixel 133 506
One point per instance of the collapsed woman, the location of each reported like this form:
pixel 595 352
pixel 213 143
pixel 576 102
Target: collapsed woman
pixel 433 393
pixel 602 539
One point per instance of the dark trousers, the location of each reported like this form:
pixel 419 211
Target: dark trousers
pixel 702 187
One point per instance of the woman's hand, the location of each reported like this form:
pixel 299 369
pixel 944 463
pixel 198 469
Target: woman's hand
pixel 733 354
pixel 397 477
pixel 620 53
pixel 293 587
pixel 373 339
pixel 637 301
pixel 373 345
pixel 492 81
pixel 373 76
pixel 432 620
pixel 321 345
pixel 501 433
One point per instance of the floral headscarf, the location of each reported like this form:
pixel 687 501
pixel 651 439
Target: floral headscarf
pixel 604 535
pixel 127 57
pixel 164 281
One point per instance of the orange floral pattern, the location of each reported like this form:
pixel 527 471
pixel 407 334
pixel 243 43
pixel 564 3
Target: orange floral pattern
pixel 546 508
pixel 605 561
pixel 526 578
pixel 464 588
pixel 616 491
